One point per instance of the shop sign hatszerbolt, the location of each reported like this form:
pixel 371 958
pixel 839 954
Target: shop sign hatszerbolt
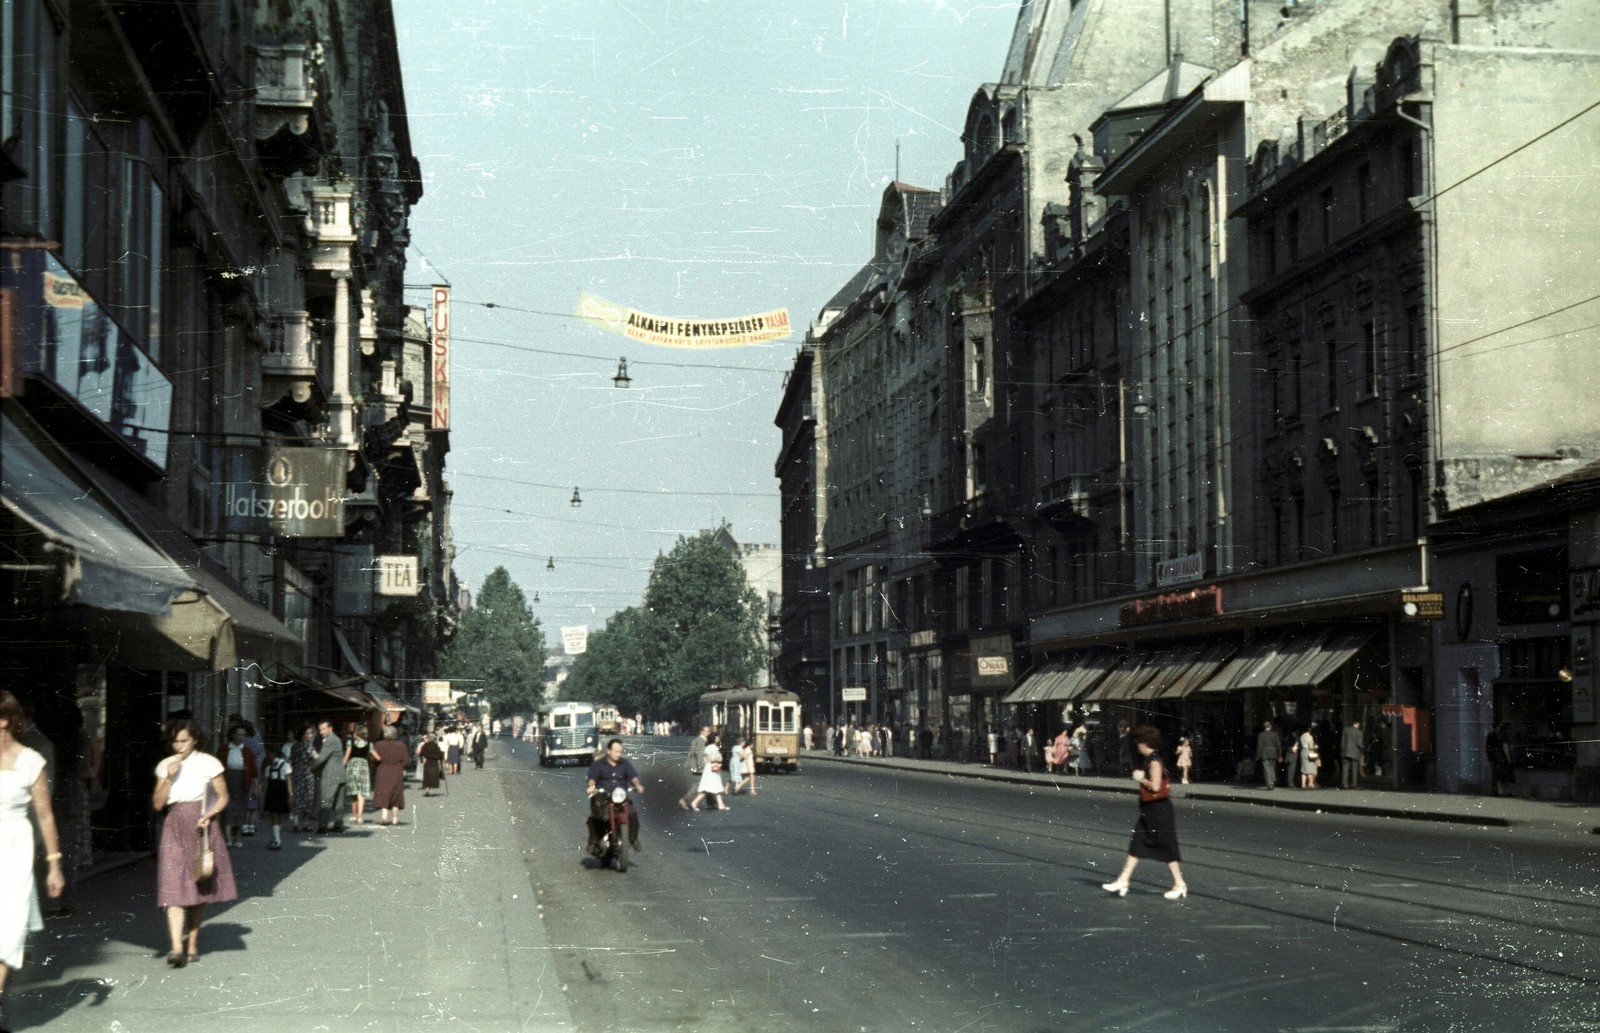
pixel 283 492
pixel 1195 604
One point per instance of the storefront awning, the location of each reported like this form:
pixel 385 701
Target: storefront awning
pixel 1335 647
pixel 1064 679
pixel 1207 660
pixel 392 706
pixel 1291 659
pixel 112 567
pixel 257 634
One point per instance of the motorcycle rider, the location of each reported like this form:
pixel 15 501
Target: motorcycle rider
pixel 609 772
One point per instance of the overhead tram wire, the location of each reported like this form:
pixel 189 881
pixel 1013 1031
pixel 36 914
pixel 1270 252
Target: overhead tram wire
pixel 662 492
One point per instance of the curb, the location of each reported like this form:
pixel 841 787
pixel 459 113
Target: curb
pixel 1319 807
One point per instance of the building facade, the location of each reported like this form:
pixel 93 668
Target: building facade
pixel 1252 350
pixel 222 449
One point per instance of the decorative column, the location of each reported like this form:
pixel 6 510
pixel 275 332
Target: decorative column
pixel 341 405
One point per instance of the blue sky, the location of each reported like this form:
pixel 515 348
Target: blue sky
pixel 694 158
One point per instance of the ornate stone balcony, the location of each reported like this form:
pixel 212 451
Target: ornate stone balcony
pixel 290 349
pixel 286 90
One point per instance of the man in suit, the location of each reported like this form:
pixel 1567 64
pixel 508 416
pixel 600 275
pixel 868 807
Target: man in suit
pixel 697 764
pixel 329 766
pixel 1350 755
pixel 1268 748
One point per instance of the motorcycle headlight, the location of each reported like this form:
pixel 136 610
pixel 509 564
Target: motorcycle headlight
pixel 619 795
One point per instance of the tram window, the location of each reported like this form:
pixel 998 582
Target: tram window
pixel 788 719
pixel 764 716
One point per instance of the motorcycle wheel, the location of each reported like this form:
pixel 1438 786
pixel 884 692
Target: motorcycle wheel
pixel 622 854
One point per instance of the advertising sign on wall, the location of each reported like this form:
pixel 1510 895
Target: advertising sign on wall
pixel 283 492
pixel 352 580
pixel 67 337
pixel 441 358
pixel 397 575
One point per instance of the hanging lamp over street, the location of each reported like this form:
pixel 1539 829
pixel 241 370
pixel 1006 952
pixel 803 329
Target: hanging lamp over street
pixel 551 565
pixel 622 379
pixel 576 500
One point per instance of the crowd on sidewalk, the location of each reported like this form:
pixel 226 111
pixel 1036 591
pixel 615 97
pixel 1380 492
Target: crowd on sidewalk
pixel 211 801
pixel 1307 756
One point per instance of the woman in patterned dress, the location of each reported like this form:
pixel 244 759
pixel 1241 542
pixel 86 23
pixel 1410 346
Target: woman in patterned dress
pixel 305 781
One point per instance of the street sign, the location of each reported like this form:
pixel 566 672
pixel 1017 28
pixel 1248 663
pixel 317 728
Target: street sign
pixel 853 694
pixel 437 693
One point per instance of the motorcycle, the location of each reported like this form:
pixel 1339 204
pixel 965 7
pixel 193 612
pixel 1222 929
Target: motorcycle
pixel 609 822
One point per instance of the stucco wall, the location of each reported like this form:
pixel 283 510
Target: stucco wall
pixel 1517 243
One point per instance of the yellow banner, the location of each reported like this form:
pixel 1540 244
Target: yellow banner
pixel 683 333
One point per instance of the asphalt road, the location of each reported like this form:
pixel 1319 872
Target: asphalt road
pixel 847 898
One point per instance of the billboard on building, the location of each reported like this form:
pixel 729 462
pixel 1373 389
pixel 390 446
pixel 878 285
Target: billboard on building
pixel 282 492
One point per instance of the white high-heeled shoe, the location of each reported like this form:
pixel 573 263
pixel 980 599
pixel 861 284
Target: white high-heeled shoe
pixel 1177 893
pixel 1119 888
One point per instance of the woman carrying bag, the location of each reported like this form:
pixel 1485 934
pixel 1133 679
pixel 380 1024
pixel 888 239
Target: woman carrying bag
pixel 194 869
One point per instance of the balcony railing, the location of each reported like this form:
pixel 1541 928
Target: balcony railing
pixel 285 79
pixel 290 351
pixel 328 207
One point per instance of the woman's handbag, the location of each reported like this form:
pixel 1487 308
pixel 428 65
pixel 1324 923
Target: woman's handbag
pixel 205 862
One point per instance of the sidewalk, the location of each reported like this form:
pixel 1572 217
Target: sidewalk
pixel 1504 812
pixel 432 923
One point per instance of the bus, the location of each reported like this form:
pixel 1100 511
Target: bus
pixel 608 719
pixel 769 717
pixel 567 732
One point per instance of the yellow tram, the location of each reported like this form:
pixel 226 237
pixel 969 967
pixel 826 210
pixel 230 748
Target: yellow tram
pixel 769 717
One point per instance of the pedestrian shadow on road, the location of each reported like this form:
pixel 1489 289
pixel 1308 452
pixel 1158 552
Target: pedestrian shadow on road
pixel 117 937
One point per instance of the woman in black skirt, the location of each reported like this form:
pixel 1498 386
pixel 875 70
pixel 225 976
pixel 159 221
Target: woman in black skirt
pixel 1156 835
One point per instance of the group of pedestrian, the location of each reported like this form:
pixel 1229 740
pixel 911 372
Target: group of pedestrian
pixel 307 782
pixel 1303 757
pixel 705 764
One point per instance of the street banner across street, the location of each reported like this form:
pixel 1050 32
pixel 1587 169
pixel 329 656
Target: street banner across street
pixel 575 640
pixel 670 332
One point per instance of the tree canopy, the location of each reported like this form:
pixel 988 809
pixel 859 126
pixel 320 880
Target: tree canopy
pixel 499 649
pixel 700 625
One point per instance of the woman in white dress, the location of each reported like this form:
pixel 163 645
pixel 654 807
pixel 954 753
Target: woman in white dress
pixel 22 785
pixel 710 779
pixel 736 771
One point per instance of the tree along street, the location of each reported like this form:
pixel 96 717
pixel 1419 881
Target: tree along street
pixel 699 625
pixel 498 650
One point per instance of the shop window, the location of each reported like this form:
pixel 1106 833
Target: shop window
pixel 1531 587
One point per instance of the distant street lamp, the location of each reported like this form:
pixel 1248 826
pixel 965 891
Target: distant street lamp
pixel 622 379
pixel 551 565
pixel 576 500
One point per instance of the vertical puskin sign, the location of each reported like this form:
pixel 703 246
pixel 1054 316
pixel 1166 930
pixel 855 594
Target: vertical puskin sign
pixel 441 358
